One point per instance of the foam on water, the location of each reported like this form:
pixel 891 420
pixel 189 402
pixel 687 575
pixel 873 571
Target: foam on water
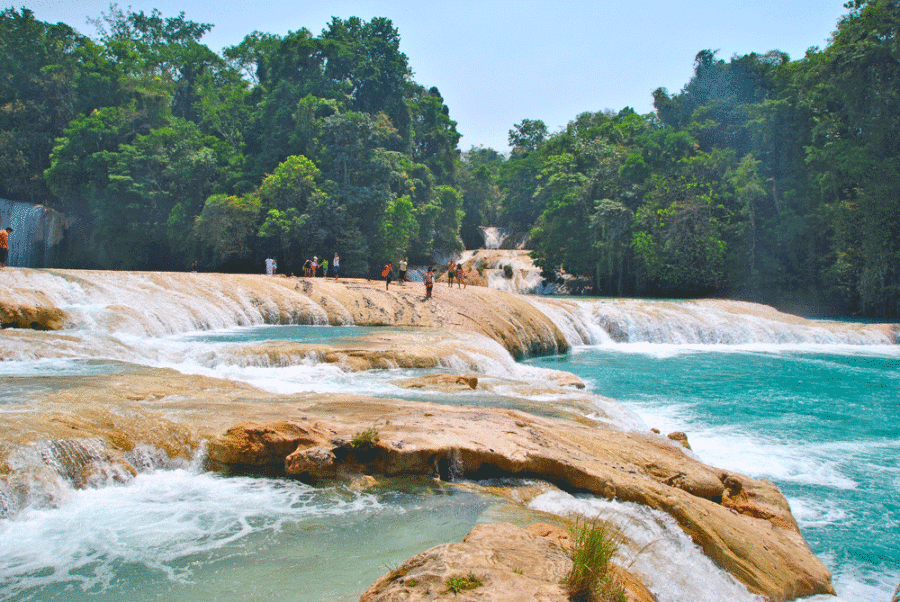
pixel 160 521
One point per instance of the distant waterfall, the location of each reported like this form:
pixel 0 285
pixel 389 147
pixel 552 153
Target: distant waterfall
pixel 36 230
pixel 494 237
pixel 501 238
pixel 522 276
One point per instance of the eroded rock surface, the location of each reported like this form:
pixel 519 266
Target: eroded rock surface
pixel 750 533
pixel 510 564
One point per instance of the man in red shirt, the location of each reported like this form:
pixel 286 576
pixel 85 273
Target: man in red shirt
pixel 4 246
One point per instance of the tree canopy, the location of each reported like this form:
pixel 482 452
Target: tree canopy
pixel 763 178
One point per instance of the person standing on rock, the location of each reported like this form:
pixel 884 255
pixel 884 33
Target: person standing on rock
pixel 401 275
pixel 428 279
pixel 271 266
pixel 325 268
pixel 336 266
pixel 4 246
pixel 451 272
pixel 459 276
pixel 388 273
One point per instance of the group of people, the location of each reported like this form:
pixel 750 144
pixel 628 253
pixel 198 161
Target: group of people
pixel 312 268
pixel 455 271
pixel 388 272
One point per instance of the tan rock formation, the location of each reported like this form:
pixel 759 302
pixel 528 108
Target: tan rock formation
pixel 680 438
pixel 743 524
pixel 508 319
pixel 510 564
pixel 763 549
pixel 16 315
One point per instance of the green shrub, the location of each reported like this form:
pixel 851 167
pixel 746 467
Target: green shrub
pixel 365 440
pixel 591 578
pixel 508 271
pixel 457 583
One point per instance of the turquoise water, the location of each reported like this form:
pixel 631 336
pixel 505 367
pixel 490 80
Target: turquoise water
pixel 187 536
pixel 819 421
pixel 822 423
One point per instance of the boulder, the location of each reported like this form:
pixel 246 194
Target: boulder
pixel 680 438
pixel 35 317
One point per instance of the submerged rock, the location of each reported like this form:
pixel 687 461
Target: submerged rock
pixel 440 382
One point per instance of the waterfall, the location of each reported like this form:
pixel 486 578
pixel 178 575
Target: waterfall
pixel 521 276
pixel 36 230
pixel 494 237
pixel 700 322
pixel 501 238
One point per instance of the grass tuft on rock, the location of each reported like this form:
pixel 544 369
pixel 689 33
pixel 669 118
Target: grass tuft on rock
pixel 365 440
pixel 592 577
pixel 458 583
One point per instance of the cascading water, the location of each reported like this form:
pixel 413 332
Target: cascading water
pixel 509 270
pixel 36 230
pixel 104 532
pixel 494 237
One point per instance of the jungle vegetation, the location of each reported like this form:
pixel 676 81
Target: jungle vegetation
pixel 764 178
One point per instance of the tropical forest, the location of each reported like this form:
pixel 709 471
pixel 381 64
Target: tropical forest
pixel 766 178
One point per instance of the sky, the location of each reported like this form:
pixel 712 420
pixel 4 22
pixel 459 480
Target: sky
pixel 497 62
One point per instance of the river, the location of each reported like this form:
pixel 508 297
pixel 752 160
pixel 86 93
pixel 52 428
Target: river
pixel 811 406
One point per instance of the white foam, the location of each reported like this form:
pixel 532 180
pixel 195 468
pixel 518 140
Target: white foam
pixel 157 521
pixel 857 584
pixel 731 447
pixel 802 463
pixel 816 513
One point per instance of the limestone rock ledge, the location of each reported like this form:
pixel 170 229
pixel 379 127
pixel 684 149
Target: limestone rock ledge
pixel 512 565
pixel 742 524
pixel 15 315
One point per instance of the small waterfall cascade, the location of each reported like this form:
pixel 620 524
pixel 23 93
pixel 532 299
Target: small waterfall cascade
pixel 508 270
pixel 36 230
pixel 700 322
pixel 502 238
pixel 494 237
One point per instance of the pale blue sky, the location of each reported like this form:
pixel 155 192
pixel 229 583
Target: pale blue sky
pixel 497 62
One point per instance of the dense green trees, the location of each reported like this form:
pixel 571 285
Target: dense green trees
pixel 763 178
pixel 308 144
